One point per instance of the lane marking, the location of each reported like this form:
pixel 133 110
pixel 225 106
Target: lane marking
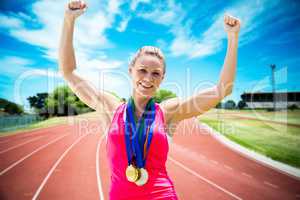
pixel 226 166
pixel 98 168
pixel 33 132
pixel 204 179
pixel 271 185
pixel 28 194
pixel 18 145
pixel 202 156
pixel 21 135
pixel 214 162
pixel 28 155
pixel 248 175
pixel 5 141
pixel 54 166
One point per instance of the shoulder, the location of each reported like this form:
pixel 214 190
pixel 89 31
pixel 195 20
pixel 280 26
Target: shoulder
pixel 170 108
pixel 113 110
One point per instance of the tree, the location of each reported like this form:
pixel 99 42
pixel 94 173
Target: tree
pixel 162 95
pixel 292 107
pixel 10 107
pixel 230 104
pixel 38 103
pixel 241 104
pixel 62 102
pixel 219 105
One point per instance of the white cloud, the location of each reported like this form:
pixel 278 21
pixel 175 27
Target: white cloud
pixel 9 22
pixel 123 24
pixel 16 60
pixel 109 80
pixel 185 43
pixel 134 3
pixel 162 44
pixel 12 65
pixel 114 6
pixel 166 13
pixel 89 28
pixel 16 68
pixel 90 40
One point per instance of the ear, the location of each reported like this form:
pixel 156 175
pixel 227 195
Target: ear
pixel 130 70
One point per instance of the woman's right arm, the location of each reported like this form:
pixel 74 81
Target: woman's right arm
pixel 98 100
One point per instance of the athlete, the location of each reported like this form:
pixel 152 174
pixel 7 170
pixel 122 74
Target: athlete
pixel 139 129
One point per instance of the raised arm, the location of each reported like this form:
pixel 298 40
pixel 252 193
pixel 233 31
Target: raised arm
pixel 98 100
pixel 177 110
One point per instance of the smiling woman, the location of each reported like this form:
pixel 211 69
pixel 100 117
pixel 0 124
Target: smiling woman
pixel 147 70
pixel 137 145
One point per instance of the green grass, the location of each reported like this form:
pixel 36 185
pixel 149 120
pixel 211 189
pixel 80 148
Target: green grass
pixel 278 141
pixel 286 116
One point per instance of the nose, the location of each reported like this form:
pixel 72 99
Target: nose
pixel 148 77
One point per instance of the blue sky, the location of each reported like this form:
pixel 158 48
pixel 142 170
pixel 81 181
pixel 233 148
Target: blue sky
pixel 190 33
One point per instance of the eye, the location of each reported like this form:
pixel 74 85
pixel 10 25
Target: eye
pixel 156 74
pixel 142 71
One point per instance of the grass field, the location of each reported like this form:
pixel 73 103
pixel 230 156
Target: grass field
pixel 279 141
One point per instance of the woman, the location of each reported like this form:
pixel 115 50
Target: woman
pixel 137 144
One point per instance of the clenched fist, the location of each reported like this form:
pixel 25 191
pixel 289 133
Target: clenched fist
pixel 231 24
pixel 75 8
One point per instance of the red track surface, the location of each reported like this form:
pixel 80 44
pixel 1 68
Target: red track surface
pixel 67 162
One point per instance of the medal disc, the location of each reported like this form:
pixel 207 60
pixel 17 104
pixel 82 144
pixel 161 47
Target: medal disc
pixel 143 177
pixel 132 173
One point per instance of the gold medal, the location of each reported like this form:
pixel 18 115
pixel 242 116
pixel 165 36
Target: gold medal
pixel 132 173
pixel 143 179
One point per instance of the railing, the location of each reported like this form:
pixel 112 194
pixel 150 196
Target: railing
pixel 8 123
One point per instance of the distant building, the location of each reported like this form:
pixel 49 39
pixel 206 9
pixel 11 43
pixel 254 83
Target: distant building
pixel 265 99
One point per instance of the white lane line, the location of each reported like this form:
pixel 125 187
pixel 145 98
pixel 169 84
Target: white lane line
pixel 27 156
pixel 4 141
pixel 98 168
pixel 18 145
pixel 17 138
pixel 227 167
pixel 271 185
pixel 22 135
pixel 248 175
pixel 214 162
pixel 40 131
pixel 54 166
pixel 201 156
pixel 28 194
pixel 204 179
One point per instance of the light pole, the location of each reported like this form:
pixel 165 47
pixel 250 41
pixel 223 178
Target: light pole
pixel 273 85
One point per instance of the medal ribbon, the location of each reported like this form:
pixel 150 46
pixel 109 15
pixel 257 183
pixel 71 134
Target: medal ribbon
pixel 138 136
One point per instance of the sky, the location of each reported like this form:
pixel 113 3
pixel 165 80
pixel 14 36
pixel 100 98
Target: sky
pixel 190 34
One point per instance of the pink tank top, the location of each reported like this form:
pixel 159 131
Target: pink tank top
pixel 159 185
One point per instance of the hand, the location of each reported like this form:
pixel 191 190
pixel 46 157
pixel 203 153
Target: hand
pixel 231 24
pixel 75 8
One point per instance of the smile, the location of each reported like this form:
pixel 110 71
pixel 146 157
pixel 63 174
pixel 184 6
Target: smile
pixel 146 86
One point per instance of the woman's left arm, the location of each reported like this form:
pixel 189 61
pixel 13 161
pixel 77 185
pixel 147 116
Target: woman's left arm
pixel 177 110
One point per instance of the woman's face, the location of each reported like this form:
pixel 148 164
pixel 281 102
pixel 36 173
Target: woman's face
pixel 147 74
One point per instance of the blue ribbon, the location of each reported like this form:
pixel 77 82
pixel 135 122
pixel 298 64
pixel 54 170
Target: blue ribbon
pixel 134 148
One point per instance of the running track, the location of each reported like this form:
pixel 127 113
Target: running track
pixel 69 162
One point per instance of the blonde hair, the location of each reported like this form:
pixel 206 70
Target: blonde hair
pixel 149 50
